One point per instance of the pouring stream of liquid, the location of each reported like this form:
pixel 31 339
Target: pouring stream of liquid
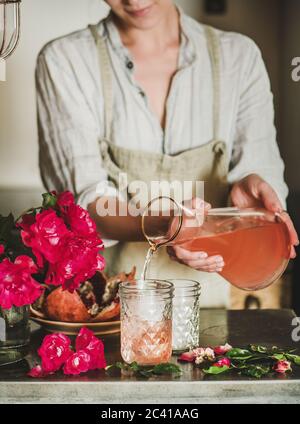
pixel 148 259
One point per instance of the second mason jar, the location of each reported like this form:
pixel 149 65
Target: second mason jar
pixel 146 321
pixel 186 314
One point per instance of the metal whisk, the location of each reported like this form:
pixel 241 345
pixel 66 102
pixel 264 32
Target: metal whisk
pixel 9 30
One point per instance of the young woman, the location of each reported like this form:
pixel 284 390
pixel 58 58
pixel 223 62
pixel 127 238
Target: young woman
pixel 165 98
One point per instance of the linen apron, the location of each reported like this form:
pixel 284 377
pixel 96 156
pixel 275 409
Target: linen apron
pixel 208 163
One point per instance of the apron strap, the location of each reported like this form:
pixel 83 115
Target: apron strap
pixel 106 77
pixel 213 44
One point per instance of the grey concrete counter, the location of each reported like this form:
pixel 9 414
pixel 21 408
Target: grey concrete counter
pixel 239 328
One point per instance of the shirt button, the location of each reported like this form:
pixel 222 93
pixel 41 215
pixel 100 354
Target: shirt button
pixel 130 65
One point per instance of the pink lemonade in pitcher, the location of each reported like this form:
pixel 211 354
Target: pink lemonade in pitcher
pixel 255 251
pixel 254 242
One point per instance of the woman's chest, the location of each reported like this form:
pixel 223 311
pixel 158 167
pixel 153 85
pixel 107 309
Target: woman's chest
pixel 155 75
pixel 189 109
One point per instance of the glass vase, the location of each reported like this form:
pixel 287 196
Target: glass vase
pixel 14 334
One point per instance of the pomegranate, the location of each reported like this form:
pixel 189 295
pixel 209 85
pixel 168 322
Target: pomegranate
pixel 96 300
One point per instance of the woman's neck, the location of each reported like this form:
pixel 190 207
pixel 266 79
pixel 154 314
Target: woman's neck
pixel 166 32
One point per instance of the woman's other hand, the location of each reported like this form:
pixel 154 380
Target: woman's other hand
pixel 253 192
pixel 196 260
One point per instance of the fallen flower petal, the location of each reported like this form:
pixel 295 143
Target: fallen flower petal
pixel 224 362
pixel 221 350
pixel 36 372
pixel 198 355
pixel 209 354
pixel 2 249
pixel 282 367
pixel 187 356
pixel 199 360
pixel 199 351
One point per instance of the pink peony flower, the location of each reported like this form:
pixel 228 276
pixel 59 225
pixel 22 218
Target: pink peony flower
pixel 64 201
pixel 36 372
pixel 224 362
pixel 26 222
pixel 77 363
pixel 46 236
pixel 81 222
pixel 17 287
pixel 77 218
pixel 2 249
pixel 221 350
pixel 78 262
pixel 54 352
pixel 87 341
pixel 282 367
pixel 68 245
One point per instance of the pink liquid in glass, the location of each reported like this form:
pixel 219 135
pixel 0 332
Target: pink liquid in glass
pixel 146 342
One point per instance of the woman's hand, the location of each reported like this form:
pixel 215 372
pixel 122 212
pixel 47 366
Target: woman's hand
pixel 196 260
pixel 252 192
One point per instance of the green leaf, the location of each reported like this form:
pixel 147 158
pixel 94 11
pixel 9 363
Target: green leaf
pixel 134 366
pixel 297 360
pixel 279 357
pixel 147 371
pixel 49 200
pixel 122 365
pixel 216 370
pixel 294 358
pixel 167 368
pixel 276 349
pixel 239 354
pixel 256 371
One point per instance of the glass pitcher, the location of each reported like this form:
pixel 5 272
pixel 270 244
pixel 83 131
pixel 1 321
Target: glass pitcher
pixel 254 243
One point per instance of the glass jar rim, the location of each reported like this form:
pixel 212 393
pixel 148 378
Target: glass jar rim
pixel 132 287
pixel 186 287
pixel 185 283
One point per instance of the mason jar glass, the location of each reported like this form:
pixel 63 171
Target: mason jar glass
pixel 14 334
pixel 186 315
pixel 146 321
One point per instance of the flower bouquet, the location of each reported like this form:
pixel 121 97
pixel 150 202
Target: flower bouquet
pixel 50 258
